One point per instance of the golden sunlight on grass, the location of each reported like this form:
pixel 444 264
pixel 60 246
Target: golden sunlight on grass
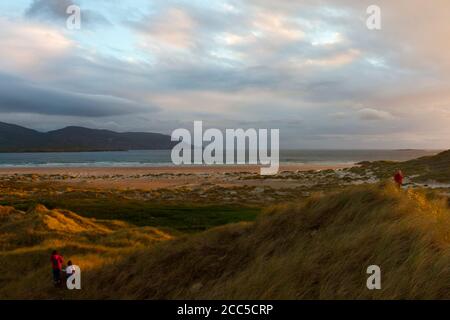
pixel 29 237
pixel 318 248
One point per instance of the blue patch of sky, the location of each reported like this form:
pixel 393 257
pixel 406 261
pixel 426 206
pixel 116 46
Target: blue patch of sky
pixel 13 8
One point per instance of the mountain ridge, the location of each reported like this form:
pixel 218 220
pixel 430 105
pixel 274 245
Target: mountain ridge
pixel 15 138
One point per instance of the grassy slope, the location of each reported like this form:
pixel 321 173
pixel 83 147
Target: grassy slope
pixel 319 248
pixel 27 239
pixel 429 168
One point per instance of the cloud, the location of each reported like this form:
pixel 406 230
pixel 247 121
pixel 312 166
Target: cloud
pixel 338 115
pixel 175 28
pixel 57 10
pixel 50 101
pixel 27 46
pixel 277 26
pixel 337 60
pixel 230 61
pixel 373 114
pixel 48 8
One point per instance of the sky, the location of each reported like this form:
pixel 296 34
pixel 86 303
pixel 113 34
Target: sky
pixel 309 68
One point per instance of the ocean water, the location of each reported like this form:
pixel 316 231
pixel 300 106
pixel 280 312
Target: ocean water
pixel 162 157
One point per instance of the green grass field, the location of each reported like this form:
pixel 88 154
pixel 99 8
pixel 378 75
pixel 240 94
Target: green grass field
pixel 186 218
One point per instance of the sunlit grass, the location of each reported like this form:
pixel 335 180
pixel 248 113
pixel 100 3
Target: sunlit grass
pixel 317 248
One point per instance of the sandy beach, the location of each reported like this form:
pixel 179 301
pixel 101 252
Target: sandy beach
pixel 100 171
pixel 151 178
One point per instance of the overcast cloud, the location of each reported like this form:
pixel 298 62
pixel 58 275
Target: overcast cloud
pixel 310 68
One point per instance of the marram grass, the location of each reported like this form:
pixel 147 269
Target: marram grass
pixel 317 248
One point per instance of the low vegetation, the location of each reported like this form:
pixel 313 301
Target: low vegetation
pixel 177 216
pixel 425 169
pixel 318 248
pixel 27 238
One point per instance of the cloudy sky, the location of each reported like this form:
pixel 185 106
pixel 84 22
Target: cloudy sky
pixel 310 68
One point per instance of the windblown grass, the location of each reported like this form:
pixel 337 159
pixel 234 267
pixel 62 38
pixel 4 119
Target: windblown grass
pixel 27 239
pixel 319 248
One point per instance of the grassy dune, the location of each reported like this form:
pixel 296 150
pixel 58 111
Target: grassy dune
pixel 429 168
pixel 315 249
pixel 27 238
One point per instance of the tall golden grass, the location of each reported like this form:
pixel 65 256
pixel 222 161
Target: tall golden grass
pixel 314 249
pixel 27 239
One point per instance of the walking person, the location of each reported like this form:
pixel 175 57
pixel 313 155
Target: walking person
pixel 57 261
pixel 398 178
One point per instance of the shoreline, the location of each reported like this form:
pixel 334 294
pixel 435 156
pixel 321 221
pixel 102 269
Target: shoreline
pixel 93 170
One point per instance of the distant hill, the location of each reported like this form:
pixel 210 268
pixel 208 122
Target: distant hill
pixel 14 138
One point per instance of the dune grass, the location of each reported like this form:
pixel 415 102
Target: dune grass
pixel 428 168
pixel 27 239
pixel 319 248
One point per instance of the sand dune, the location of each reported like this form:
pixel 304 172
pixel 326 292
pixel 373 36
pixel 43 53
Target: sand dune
pixel 318 248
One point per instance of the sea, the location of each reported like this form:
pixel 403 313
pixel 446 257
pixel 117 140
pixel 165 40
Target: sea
pixel 144 158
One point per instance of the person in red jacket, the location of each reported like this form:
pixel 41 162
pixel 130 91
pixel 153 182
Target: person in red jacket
pixel 57 261
pixel 398 178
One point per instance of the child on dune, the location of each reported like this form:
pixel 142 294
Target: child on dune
pixel 70 270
